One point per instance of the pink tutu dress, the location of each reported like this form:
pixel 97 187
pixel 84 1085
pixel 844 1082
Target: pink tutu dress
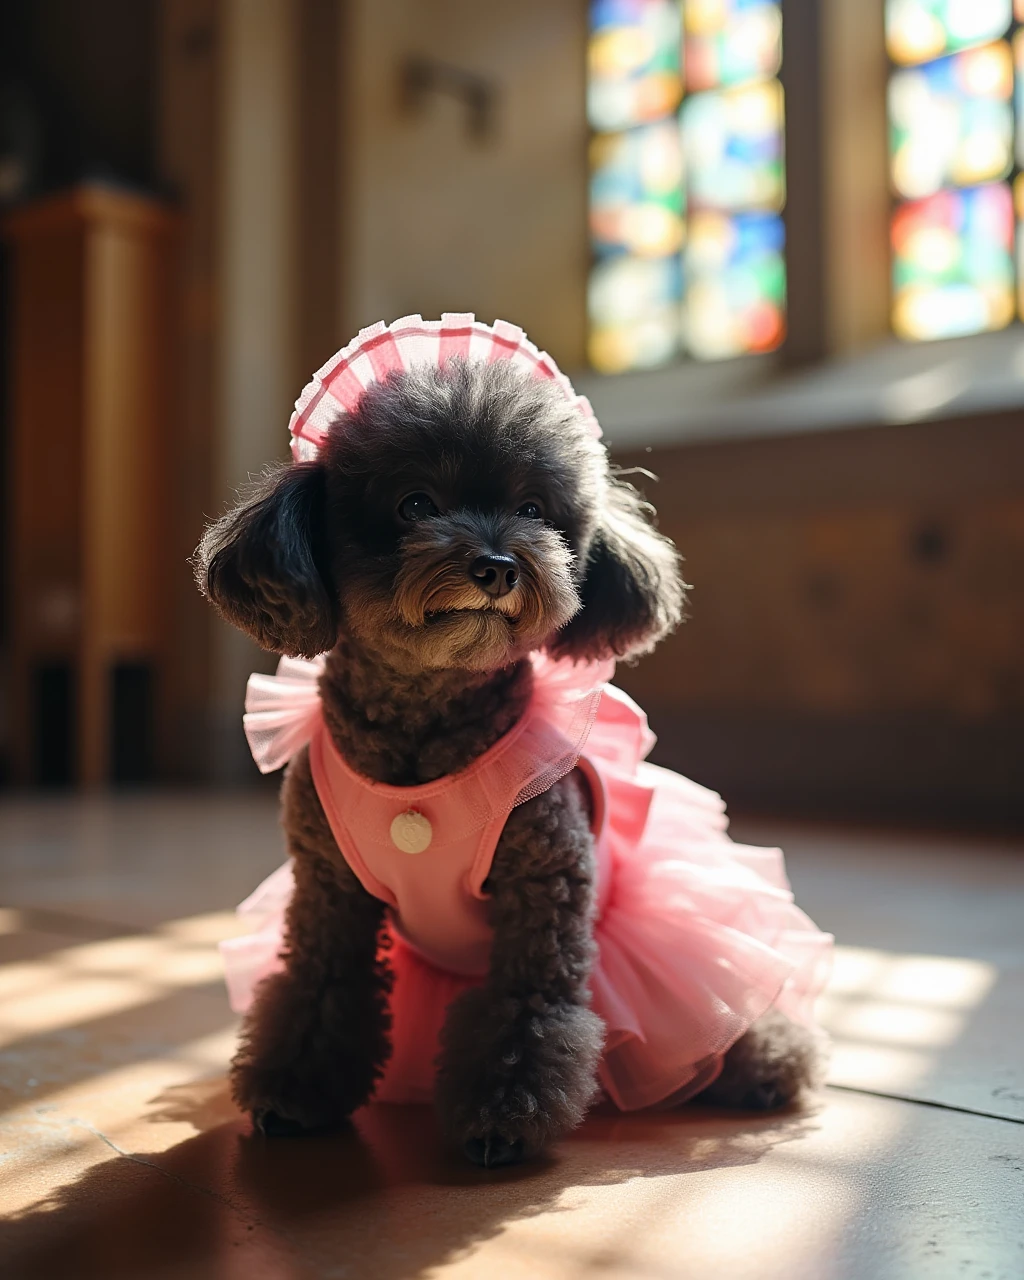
pixel 697 936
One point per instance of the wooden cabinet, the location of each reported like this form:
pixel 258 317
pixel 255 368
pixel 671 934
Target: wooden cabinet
pixel 91 360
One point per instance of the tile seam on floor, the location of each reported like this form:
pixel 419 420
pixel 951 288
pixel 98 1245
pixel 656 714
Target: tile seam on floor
pixel 248 1219
pixel 927 1102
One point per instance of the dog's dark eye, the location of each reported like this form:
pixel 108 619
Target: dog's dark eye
pixel 417 506
pixel 530 511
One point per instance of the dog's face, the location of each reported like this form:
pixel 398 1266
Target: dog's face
pixel 461 518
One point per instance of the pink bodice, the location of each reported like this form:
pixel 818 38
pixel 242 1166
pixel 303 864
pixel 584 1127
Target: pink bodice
pixel 427 850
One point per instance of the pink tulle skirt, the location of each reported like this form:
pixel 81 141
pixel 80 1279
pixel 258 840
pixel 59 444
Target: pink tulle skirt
pixel 697 937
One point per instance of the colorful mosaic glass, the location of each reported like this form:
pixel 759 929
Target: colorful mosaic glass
pixel 685 192
pixel 731 41
pixel 920 30
pixel 951 121
pixel 954 263
pixel 733 148
pixel 735 284
pixel 634 60
pixel 636 190
pixel 1018 96
pixel 956 122
pixel 1018 205
pixel 635 307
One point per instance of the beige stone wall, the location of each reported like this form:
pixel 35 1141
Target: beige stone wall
pixel 438 220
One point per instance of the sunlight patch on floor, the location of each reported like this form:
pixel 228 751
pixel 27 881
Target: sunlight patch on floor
pixel 890 1015
pixel 97 979
pixel 634 1230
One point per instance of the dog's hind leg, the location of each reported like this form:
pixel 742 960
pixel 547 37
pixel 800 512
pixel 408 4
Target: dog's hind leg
pixel 770 1066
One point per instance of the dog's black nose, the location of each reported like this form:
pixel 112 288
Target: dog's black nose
pixel 496 575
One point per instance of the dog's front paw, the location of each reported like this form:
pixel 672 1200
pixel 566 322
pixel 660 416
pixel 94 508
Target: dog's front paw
pixel 492 1151
pixel 294 1071
pixel 281 1102
pixel 272 1125
pixel 515 1078
pixel 769 1067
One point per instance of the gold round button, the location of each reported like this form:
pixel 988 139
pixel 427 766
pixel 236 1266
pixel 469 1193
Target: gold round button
pixel 411 831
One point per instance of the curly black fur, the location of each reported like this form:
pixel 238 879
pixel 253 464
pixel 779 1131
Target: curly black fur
pixel 426 671
pixel 408 728
pixel 771 1066
pixel 316 1040
pixel 519 1054
pixel 264 564
pixel 632 594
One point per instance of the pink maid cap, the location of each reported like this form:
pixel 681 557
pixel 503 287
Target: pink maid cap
pixel 339 385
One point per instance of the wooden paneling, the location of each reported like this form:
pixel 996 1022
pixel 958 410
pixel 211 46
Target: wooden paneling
pixel 858 595
pixel 847 612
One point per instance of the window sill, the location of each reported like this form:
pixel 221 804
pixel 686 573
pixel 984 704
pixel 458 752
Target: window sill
pixel 893 383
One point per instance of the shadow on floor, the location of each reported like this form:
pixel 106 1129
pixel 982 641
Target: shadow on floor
pixel 381 1200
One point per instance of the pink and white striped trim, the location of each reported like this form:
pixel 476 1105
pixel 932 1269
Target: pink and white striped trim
pixel 369 357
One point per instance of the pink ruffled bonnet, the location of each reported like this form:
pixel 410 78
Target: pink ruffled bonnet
pixel 376 351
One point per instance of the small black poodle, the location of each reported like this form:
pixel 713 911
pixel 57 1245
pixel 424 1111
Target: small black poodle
pixel 458 519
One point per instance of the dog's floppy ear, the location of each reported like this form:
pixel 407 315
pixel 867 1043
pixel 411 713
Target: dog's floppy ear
pixel 264 564
pixel 632 591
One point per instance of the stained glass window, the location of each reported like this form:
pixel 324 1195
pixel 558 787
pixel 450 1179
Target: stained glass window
pixel 637 303
pixel 919 30
pixel 1018 94
pixel 732 140
pixel 954 263
pixel 635 62
pixel 956 109
pixel 736 284
pixel 636 190
pixel 731 42
pixel 686 188
pixel 951 121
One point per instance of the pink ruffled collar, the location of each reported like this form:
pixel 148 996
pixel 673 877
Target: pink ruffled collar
pixel 282 711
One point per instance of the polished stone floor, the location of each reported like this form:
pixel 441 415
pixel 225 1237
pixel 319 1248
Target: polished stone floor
pixel 121 1156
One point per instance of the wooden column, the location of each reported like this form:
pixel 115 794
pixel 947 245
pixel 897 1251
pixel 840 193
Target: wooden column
pixel 92 357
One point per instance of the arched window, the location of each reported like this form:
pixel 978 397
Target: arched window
pixel 956 152
pixel 687 180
